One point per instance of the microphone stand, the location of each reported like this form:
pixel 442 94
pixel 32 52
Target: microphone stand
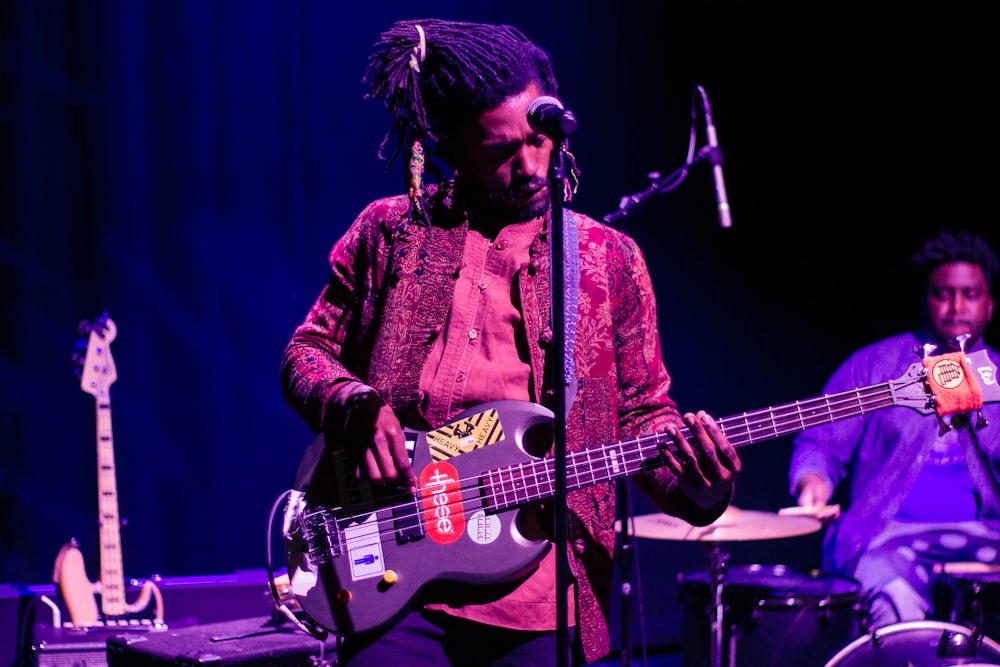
pixel 557 176
pixel 710 152
pixel 659 186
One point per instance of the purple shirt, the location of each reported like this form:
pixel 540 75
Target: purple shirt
pixel 881 454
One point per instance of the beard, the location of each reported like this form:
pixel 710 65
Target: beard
pixel 504 205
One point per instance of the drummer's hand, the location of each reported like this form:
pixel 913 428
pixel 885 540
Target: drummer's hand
pixel 814 494
pixel 705 465
pixel 813 491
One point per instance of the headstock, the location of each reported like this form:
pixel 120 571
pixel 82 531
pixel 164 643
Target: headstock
pixel 95 365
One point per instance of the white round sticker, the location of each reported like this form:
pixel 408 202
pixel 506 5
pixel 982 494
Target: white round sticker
pixel 483 528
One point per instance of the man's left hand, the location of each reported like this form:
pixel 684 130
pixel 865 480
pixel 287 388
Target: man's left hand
pixel 706 464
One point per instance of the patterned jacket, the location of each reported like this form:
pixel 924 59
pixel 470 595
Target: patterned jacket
pixel 387 299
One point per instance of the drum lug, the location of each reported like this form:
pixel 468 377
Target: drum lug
pixel 957 645
pixel 825 615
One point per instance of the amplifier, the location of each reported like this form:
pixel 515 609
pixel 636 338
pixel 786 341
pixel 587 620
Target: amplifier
pixel 267 641
pixel 34 621
pixel 70 647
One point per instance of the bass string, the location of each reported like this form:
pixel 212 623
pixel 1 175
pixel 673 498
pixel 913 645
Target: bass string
pixel 536 476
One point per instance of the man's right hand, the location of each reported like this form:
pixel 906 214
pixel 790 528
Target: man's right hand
pixel 365 424
pixel 386 459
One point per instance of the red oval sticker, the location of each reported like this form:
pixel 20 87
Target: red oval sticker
pixel 441 497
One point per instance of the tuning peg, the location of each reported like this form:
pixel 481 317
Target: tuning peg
pixel 80 351
pixel 981 421
pixel 925 350
pixel 101 323
pixel 960 341
pixel 943 426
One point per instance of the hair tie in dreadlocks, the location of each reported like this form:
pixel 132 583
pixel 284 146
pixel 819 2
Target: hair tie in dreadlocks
pixel 416 165
pixel 421 49
pixel 417 174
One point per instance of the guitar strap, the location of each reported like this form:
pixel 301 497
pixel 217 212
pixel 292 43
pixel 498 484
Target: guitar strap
pixel 571 277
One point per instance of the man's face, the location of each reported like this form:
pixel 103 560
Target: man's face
pixel 503 163
pixel 958 301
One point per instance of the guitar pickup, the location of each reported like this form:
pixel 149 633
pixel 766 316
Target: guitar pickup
pixel 406 519
pixel 406 515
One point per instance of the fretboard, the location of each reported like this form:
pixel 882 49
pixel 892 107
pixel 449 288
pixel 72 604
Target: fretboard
pixel 112 576
pixel 520 484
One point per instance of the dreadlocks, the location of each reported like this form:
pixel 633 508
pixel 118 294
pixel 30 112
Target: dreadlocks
pixel 433 74
pixel 958 247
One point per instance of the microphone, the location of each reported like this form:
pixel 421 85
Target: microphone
pixel 548 116
pixel 715 157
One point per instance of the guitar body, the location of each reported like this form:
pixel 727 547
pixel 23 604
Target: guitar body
pixel 76 590
pixel 363 566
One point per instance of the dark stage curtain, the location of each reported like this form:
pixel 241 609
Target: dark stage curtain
pixel 161 160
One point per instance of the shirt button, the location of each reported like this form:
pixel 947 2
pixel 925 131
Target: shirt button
pixel 483 284
pixel 579 546
pixel 501 244
pixel 460 377
pixel 473 334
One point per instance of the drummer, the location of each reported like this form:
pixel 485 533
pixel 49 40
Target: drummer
pixel 916 497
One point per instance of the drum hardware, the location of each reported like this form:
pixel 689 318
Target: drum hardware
pixel 734 524
pixel 774 615
pixel 918 643
pixel 717 576
pixel 968 594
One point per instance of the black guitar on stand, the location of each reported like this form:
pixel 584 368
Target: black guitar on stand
pixel 97 373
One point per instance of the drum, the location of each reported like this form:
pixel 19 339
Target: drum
pixel 972 600
pixel 920 644
pixel 773 615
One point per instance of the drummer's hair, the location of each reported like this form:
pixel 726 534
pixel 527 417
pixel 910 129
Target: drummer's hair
pixel 960 246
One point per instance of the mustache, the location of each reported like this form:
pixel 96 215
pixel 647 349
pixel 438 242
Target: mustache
pixel 510 194
pixel 536 183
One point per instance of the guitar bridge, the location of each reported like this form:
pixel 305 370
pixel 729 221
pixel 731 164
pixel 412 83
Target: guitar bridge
pixel 321 532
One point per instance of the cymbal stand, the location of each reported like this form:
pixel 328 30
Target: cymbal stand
pixel 625 563
pixel 717 576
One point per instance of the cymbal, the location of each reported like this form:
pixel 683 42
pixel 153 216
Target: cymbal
pixel 735 525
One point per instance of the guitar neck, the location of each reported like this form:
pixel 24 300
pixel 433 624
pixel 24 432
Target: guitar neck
pixel 112 575
pixel 518 485
pixel 782 420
